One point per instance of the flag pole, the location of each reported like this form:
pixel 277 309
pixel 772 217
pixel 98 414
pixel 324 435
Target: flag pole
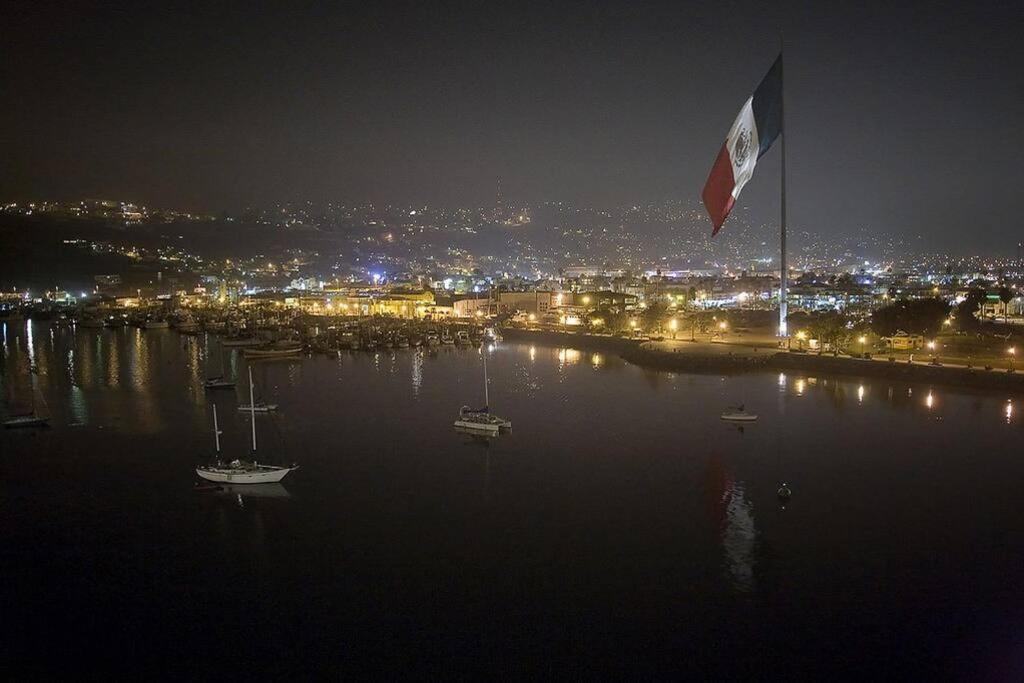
pixel 783 268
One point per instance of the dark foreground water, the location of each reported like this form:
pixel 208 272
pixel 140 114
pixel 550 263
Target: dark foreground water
pixel 621 528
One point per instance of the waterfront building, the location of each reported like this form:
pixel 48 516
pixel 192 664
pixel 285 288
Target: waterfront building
pixel 471 307
pixel 537 302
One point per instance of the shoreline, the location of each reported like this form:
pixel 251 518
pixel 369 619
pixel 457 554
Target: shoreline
pixel 739 359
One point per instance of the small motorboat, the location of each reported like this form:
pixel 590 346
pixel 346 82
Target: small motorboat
pixel 738 414
pixel 219 383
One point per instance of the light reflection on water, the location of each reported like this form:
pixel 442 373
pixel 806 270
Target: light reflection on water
pixel 632 457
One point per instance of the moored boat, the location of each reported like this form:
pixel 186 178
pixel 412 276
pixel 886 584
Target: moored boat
pixel 738 414
pixel 243 471
pixel 276 350
pixel 480 419
pixel 259 407
pixel 26 421
pixel 241 341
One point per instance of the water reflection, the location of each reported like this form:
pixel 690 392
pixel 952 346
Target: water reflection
pixel 568 357
pixel 144 380
pixel 239 493
pixel 739 537
pixel 733 516
pixel 417 372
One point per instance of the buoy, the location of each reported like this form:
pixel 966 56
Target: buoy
pixel 784 492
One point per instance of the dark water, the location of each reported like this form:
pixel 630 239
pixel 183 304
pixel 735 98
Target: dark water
pixel 620 529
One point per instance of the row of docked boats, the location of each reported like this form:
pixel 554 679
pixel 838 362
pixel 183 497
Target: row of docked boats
pixel 185 326
pixel 356 340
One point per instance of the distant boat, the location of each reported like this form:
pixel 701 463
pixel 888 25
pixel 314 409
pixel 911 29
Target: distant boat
pixel 26 421
pixel 90 322
pixel 259 407
pixel 738 414
pixel 35 417
pixel 155 325
pixel 187 325
pixel 276 350
pixel 480 419
pixel 462 338
pixel 219 381
pixel 242 471
pixel 241 341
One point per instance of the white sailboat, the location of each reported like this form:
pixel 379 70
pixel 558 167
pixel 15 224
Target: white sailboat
pixel 33 418
pixel 242 471
pixel 480 420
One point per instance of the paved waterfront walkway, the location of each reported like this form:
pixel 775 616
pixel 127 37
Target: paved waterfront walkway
pixel 755 346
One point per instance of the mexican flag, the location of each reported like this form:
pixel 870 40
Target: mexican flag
pixel 755 129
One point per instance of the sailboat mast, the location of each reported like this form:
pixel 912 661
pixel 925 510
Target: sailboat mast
pixel 487 400
pixel 252 409
pixel 216 429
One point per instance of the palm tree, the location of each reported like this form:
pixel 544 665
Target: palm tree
pixel 1006 296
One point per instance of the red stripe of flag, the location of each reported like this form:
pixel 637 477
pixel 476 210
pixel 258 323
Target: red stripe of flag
pixel 717 194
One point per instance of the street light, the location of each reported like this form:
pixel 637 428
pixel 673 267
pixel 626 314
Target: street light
pixel 673 325
pixel 862 339
pixel 800 337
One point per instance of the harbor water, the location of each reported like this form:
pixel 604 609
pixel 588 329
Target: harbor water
pixel 621 526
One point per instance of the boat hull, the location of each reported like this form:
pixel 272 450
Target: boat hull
pixel 489 428
pixel 241 342
pixel 739 418
pixel 26 421
pixel 276 353
pixel 264 408
pixel 232 475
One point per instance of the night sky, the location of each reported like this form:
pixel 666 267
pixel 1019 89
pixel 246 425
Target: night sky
pixel 903 119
